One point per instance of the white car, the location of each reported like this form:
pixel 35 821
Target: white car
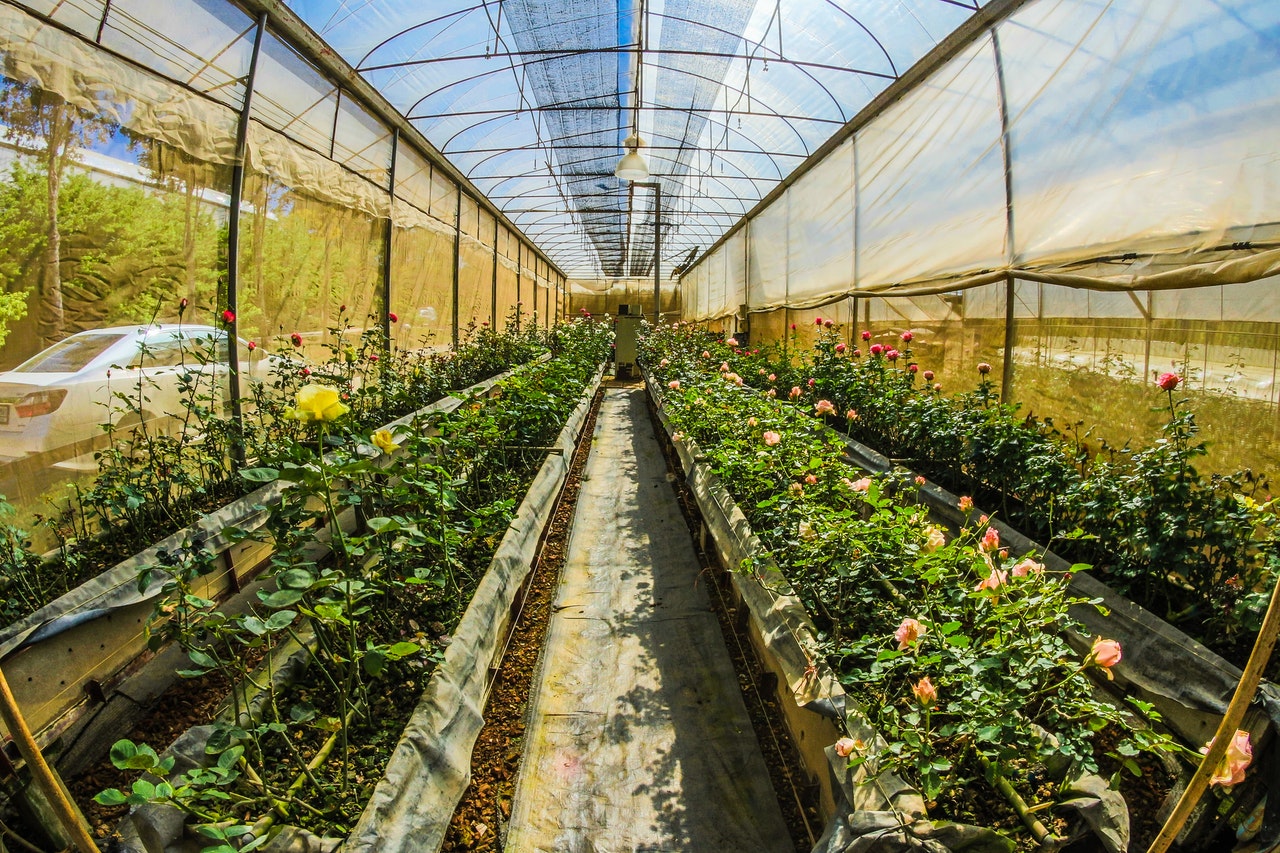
pixel 55 405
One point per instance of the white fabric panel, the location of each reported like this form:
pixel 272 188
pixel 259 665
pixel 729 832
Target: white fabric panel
pixel 1142 124
pixel 688 297
pixel 931 178
pixel 735 249
pixel 767 256
pixel 714 283
pixel 820 250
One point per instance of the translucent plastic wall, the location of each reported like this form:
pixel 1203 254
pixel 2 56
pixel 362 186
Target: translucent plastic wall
pixel 119 165
pixel 604 297
pixel 1116 165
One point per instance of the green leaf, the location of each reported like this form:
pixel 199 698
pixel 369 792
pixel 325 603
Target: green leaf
pixel 110 797
pixel 280 620
pixel 281 598
pixel 260 475
pixel 404 649
pixel 295 579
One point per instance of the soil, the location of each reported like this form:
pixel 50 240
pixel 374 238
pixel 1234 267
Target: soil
pixel 187 703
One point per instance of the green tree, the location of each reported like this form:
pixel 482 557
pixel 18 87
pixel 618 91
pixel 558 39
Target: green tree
pixel 55 130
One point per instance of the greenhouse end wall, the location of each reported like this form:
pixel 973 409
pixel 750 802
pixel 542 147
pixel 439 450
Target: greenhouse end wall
pixel 127 197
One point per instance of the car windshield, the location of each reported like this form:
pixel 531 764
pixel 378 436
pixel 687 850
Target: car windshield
pixel 70 355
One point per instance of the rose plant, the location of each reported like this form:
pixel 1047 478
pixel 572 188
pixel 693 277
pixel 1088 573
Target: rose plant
pixel 430 506
pixel 1198 550
pixel 954 648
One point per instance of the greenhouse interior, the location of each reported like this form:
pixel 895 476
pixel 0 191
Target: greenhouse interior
pixel 608 426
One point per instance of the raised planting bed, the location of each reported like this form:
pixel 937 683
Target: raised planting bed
pixel 409 613
pixel 833 551
pixel 66 658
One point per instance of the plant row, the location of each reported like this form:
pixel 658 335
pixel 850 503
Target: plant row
pixel 951 646
pixel 411 519
pixel 1200 551
pixel 160 476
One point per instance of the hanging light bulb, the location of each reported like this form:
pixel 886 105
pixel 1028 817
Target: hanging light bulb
pixel 632 166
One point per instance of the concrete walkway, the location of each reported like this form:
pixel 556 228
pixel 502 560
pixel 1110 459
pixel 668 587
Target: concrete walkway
pixel 639 740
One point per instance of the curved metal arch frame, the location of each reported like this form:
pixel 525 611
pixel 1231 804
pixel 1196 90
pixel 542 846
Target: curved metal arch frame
pixel 543 107
pixel 472 176
pixel 773 56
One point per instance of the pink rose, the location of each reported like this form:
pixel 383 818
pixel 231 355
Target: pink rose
pixel 773 377
pixel 876 349
pixel 797 489
pixel 906 337
pixel 862 485
pixel 817 321
pixel 913 367
pixel 937 386
pixel 935 540
pixel 733 342
pixel 840 348
pixel 920 481
pixel 991 539
pixel 824 407
pixel 771 438
pixel 811 382
pixel 857 353
pixel 761 371
pixel 1230 771
pixel 724 367
pixel 706 354
pixel 966 504
pixel 866 336
pixel 845 746
pixel 908 632
pixel 1168 381
pixel 1105 653
pixel 664 362
pixel 674 384
pixel 892 355
pixel 928 376
pixel 984 368
pixel 1026 567
pixel 772 393
pixel 811 479
pixel 795 392
pixel 993 581
pixel 926 694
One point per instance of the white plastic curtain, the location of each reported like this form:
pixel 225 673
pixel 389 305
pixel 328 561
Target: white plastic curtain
pixel 1126 145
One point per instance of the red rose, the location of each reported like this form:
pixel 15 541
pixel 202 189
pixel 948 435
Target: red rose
pixel 228 316
pixel 1168 381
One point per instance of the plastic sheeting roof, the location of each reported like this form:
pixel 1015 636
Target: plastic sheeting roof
pixel 532 99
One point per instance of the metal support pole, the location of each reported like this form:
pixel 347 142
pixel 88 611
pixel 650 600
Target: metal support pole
pixel 656 186
pixel 493 301
pixel 1006 373
pixel 233 246
pixel 386 243
pixel 457 254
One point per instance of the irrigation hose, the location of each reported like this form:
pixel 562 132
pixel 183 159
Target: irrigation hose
pixel 72 823
pixel 1248 686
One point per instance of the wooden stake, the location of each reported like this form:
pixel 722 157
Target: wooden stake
pixel 42 773
pixel 1245 691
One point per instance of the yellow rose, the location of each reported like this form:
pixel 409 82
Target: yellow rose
pixel 318 403
pixel 383 441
